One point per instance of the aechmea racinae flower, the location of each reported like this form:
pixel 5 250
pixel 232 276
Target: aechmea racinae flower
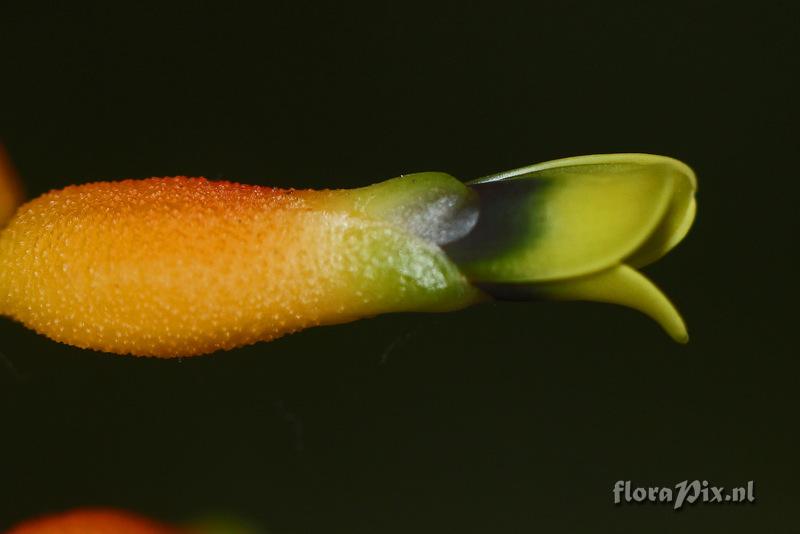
pixel 184 266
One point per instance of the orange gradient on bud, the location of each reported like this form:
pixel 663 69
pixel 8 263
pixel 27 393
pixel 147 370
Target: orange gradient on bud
pixel 184 266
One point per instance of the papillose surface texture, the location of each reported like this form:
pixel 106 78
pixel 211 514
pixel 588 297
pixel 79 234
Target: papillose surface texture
pixel 185 266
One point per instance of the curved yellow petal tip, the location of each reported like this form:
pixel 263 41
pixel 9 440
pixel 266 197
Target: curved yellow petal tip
pixel 625 286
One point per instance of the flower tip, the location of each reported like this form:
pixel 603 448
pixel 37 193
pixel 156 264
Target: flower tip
pixel 578 228
pixel 624 286
pixel 676 329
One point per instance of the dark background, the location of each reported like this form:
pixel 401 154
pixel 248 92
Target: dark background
pixel 504 418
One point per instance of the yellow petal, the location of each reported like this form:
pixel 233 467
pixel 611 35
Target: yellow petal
pixel 576 216
pixel 625 286
pixel 676 222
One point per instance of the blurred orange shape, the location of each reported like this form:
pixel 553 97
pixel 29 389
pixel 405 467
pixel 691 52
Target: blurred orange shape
pixel 92 521
pixel 10 189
